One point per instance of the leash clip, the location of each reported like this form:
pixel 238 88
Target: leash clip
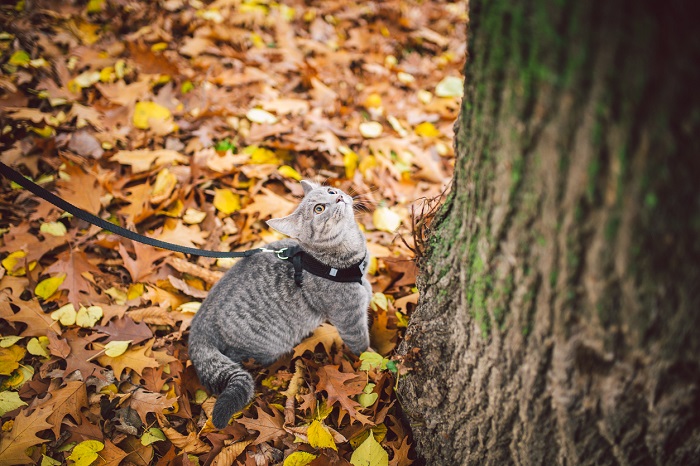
pixel 277 252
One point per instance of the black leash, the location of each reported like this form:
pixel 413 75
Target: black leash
pixel 299 258
pixel 47 195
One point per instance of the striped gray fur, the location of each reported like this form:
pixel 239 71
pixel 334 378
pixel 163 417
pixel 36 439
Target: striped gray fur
pixel 257 311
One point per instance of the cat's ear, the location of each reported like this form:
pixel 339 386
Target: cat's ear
pixel 288 225
pixel 308 186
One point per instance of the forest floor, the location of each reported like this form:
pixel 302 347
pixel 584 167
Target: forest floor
pixel 192 122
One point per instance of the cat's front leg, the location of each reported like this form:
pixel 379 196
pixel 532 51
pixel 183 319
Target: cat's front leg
pixel 353 327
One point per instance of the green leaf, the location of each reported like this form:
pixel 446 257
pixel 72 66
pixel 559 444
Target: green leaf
pixel 370 453
pixel 85 452
pixel 10 401
pixel 48 287
pixel 152 435
pixel 299 458
pixel 370 360
pixel 20 58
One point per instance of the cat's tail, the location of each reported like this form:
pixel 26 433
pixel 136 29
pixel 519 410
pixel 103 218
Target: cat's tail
pixel 223 377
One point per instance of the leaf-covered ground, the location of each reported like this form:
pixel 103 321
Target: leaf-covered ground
pixel 192 122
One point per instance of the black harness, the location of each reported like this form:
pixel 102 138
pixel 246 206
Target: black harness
pixel 302 260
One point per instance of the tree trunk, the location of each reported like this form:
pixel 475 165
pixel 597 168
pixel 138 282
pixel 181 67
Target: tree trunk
pixel 560 298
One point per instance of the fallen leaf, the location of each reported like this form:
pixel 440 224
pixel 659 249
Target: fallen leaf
pixel 85 453
pixel 23 435
pixel 9 401
pixel 269 427
pixel 141 160
pixel 370 453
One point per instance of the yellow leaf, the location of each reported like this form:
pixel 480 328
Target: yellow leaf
pixel 451 86
pixel 371 129
pixel 85 452
pixel 39 346
pixel 135 290
pixel 263 155
pixel 386 219
pixel 350 160
pixel 299 458
pixel 370 453
pixel 145 112
pixel 258 115
pixel 10 358
pixel 20 58
pixel 6 342
pixel 95 6
pixel 116 348
pixel 226 201
pixel 379 301
pixel 405 78
pixel 153 435
pixel 289 172
pixel 88 316
pixel 320 437
pixel 159 46
pixel 193 216
pixel 163 187
pixel 427 129
pixel 46 288
pixel 425 96
pixel 53 228
pixel 65 314
pixel 45 132
pixel 373 100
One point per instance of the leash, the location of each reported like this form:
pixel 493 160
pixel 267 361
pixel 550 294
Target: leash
pixel 299 258
pixel 62 204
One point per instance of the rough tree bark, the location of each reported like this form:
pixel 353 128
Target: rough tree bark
pixel 560 290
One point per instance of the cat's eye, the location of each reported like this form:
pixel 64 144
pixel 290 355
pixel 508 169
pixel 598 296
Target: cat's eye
pixel 332 191
pixel 318 208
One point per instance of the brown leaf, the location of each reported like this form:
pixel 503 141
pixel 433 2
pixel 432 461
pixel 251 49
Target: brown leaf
pixel 269 204
pixel 74 264
pixel 340 387
pixel 228 454
pixel 383 335
pixel 146 402
pixel 110 455
pixel 136 358
pixel 80 357
pixel 31 314
pixel 23 435
pixel 126 329
pixel 270 427
pixel 143 266
pixel 189 444
pixel 64 401
pixel 325 334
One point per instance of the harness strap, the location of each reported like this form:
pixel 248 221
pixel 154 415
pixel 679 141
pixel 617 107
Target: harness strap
pixel 302 260
pixel 47 195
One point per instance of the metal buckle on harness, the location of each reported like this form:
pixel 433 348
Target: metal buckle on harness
pixel 278 252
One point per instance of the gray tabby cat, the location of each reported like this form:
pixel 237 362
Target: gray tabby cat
pixel 258 311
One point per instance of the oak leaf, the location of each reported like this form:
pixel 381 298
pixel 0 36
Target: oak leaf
pixel 126 329
pixel 74 264
pixel 147 402
pixel 269 204
pixel 136 358
pixel 325 334
pixel 270 427
pixel 30 313
pixel 340 387
pixel 67 400
pixel 22 436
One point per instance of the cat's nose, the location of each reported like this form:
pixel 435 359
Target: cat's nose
pixel 339 199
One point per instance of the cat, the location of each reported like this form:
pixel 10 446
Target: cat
pixel 264 306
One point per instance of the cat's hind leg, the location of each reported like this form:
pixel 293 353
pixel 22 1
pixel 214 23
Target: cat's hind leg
pixel 225 378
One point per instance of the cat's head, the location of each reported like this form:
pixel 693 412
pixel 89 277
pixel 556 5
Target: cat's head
pixel 324 219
